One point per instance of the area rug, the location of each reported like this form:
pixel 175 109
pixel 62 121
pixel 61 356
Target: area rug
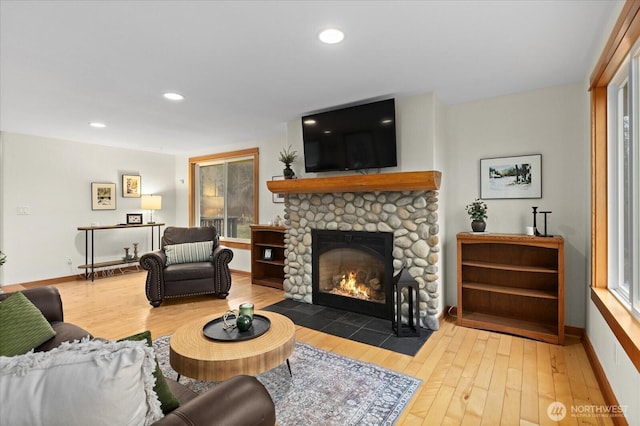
pixel 326 388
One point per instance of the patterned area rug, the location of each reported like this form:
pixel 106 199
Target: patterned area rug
pixel 326 389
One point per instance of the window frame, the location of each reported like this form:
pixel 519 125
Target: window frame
pixel 620 94
pixel 224 157
pixel 624 36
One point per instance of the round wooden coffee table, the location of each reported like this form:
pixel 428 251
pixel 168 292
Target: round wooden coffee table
pixel 194 355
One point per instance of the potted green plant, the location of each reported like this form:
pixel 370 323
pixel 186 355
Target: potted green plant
pixel 288 156
pixel 478 213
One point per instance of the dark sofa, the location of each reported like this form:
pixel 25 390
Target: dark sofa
pixel 241 400
pixel 187 279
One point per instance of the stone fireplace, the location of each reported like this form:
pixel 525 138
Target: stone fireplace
pixel 353 271
pixel 404 210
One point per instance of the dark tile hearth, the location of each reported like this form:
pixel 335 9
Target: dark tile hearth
pixel 360 328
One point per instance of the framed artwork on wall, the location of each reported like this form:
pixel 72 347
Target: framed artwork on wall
pixel 131 185
pixel 511 177
pixel 103 196
pixel 278 198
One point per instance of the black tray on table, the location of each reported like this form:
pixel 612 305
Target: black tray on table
pixel 213 329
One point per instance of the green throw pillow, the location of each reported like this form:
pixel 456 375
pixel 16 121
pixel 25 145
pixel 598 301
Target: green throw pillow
pixel 200 251
pixel 167 400
pixel 22 326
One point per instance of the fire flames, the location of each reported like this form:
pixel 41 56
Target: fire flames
pixel 350 286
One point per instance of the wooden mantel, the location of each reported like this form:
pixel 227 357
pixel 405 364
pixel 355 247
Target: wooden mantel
pixel 402 181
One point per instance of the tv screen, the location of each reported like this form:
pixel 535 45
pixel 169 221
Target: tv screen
pixel 354 138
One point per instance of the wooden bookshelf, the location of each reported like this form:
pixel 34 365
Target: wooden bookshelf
pixel 512 284
pixel 267 255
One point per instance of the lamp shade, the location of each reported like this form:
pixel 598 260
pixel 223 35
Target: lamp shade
pixel 151 202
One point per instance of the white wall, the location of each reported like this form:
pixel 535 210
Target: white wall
pixel 53 178
pixel 622 375
pixel 550 122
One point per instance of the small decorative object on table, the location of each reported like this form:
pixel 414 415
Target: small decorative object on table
pixel 535 221
pixel 134 218
pixel 478 213
pixel 243 316
pixel 246 309
pixel 127 257
pixel 243 322
pixel 545 223
pixel 288 156
pixel 135 250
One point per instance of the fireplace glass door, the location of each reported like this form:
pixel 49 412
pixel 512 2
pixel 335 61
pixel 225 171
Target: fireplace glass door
pixel 353 271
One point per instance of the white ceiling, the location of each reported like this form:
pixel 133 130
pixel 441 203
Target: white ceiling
pixel 248 67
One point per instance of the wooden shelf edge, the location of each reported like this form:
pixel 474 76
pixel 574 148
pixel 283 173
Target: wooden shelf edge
pixel 118 226
pixel 523 328
pixel 519 239
pixel 261 227
pixel 401 181
pixel 109 263
pixel 271 262
pixel 516 291
pixel 269 282
pixel 509 267
pixel 282 246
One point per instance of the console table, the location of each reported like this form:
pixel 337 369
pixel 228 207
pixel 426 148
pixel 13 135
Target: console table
pixel 90 229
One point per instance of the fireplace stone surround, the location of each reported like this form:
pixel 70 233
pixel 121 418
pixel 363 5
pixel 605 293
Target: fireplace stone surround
pixel 412 216
pixel 405 203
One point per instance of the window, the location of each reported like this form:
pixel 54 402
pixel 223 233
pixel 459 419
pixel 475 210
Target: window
pixel 223 192
pixel 623 164
pixel 617 64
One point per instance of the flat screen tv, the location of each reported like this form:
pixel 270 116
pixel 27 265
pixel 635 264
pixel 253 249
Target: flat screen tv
pixel 353 138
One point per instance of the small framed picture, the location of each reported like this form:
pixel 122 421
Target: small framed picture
pixel 278 198
pixel 134 218
pixel 103 196
pixel 131 186
pixel 267 254
pixel 511 177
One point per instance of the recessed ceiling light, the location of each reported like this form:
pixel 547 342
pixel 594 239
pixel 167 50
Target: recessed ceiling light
pixel 331 36
pixel 173 96
pixel 97 125
pixel 309 121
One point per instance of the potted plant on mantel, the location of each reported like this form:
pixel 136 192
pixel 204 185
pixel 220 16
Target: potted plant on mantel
pixel 478 213
pixel 288 156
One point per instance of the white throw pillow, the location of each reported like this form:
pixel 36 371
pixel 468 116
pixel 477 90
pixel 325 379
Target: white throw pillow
pixel 200 251
pixel 88 382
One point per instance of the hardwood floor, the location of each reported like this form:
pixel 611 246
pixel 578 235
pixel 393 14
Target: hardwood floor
pixel 470 377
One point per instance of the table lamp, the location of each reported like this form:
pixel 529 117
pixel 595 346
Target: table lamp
pixel 151 203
